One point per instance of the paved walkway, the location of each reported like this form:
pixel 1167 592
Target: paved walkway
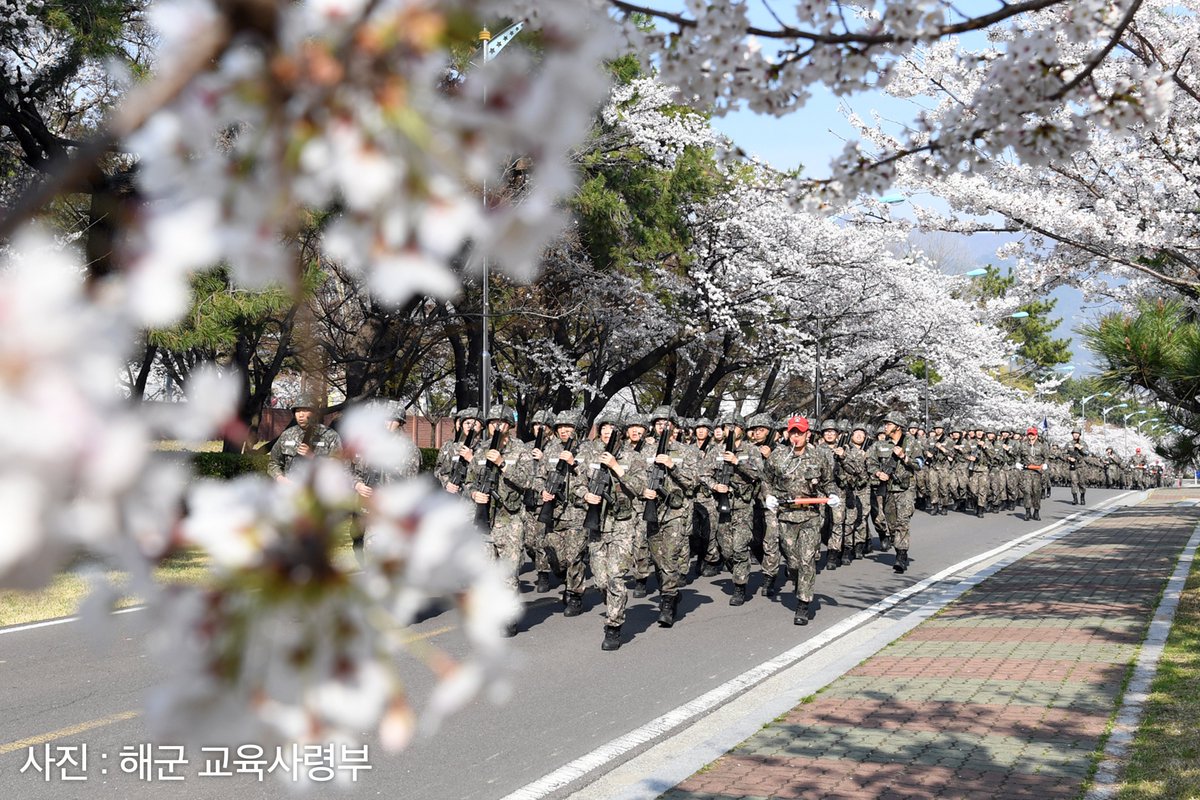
pixel 1005 693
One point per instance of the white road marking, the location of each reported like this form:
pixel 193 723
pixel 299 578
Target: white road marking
pixel 51 622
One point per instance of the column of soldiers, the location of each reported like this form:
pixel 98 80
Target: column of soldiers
pixel 642 495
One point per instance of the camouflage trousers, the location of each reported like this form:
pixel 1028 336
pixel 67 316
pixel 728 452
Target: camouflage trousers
pixel 801 538
pixel 734 537
pixel 611 559
pixel 1078 484
pixel 837 523
pixel 643 565
pixel 706 529
pixel 961 482
pixel 939 485
pixel 855 531
pixel 999 480
pixel 878 519
pixel 505 544
pixel 534 536
pixel 668 548
pixel 565 545
pixel 921 479
pixel 772 556
pixel 1034 489
pixel 898 509
pixel 979 487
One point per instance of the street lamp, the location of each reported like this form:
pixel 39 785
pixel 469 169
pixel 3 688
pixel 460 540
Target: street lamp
pixel 1104 413
pixel 975 273
pixel 1018 315
pixel 490 48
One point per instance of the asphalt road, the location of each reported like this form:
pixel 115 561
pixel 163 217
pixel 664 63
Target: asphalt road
pixel 568 696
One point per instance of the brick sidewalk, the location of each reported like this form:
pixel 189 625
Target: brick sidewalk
pixel 1004 694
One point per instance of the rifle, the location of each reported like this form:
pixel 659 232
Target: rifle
pixel 487 484
pixel 600 484
pixel 531 495
pixel 658 474
pixel 722 476
pixel 555 481
pixel 458 472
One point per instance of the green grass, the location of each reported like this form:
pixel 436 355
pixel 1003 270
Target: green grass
pixel 68 589
pixel 1165 762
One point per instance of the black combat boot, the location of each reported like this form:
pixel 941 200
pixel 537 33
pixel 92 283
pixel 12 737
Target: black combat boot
pixel 543 582
pixel 979 511
pixel 1037 514
pixel 666 609
pixel 574 604
pixel 860 550
pixel 639 588
pixel 801 617
pixel 675 607
pixel 847 554
pixel 768 585
pixel 1083 497
pixel 901 562
pixel 739 594
pixel 833 559
pixel 510 630
pixel 612 638
pixel 885 542
pixel 711 568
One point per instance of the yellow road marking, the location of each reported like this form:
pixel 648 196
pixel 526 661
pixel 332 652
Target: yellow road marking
pixel 62 733
pixel 83 727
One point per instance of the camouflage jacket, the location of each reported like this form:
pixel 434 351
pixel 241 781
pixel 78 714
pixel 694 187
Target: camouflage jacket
pixel 620 498
pixel 1078 451
pixel 516 472
pixel 743 478
pixel 879 455
pixel 325 442
pixel 1037 452
pixel 809 474
pixel 679 484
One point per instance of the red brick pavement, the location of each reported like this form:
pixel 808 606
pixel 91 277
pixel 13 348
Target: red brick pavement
pixel 946 717
pixel 993 668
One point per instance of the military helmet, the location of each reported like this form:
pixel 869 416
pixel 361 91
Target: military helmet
pixel 858 426
pixel 306 400
pixel 732 419
pixel 1076 430
pixel 634 419
pixel 502 413
pixel 843 425
pixel 662 412
pixel 896 418
pixel 879 428
pixel 941 423
pixel 829 425
pixel 760 420
pixel 469 413
pixel 541 417
pixel 610 418
pixel 703 422
pixel 566 418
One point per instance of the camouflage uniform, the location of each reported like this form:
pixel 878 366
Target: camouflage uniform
pixel 325 442
pixel 857 498
pixel 898 504
pixel 667 538
pixel 765 520
pixel 1075 455
pixel 506 508
pixel 735 533
pixel 959 479
pixel 1033 454
pixel 565 540
pixel 937 462
pixel 706 507
pixel 978 457
pixel 1137 466
pixel 611 551
pixel 448 453
pixel 1112 470
pixel 792 475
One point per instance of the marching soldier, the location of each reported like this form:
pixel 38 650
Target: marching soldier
pixel 758 430
pixel 498 478
pixel 893 462
pixel 534 535
pixel 878 496
pixel 307 439
pixel 734 484
pixel 611 546
pixel 562 510
pixel 836 517
pixel 801 480
pixel 1076 453
pixel 709 558
pixel 856 493
pixel 466 424
pixel 667 511
pixel 1112 469
pixel 1033 457
pixel 1138 465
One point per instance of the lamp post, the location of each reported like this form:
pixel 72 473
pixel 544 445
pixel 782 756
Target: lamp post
pixel 1125 424
pixel 490 48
